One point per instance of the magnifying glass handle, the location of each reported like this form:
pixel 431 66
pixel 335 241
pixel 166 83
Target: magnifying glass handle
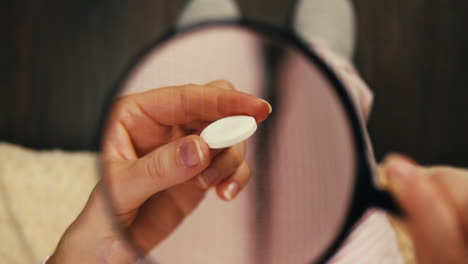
pixel 384 200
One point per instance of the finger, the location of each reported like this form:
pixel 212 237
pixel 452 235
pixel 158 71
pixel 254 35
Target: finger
pixel 453 182
pixel 230 187
pixel 169 165
pixel 162 213
pixel 180 200
pixel 430 220
pixel 197 126
pixel 143 121
pixel 183 104
pixel 223 166
pixel 151 218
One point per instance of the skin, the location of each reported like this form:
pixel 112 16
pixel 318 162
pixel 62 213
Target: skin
pixel 435 200
pixel 153 190
pixel 152 164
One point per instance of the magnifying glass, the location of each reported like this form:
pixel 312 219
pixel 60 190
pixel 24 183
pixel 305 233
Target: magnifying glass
pixel 313 173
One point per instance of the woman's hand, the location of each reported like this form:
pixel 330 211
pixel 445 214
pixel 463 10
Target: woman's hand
pixel 156 169
pixel 435 200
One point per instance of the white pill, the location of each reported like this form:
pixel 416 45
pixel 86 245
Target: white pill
pixel 229 131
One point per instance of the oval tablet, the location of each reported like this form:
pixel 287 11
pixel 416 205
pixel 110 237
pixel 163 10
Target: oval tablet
pixel 229 131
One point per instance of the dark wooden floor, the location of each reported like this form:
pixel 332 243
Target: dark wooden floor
pixel 414 56
pixel 67 54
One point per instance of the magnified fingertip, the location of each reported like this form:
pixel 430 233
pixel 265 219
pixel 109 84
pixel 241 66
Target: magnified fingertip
pixel 262 110
pixel 229 191
pixel 232 186
pixel 268 105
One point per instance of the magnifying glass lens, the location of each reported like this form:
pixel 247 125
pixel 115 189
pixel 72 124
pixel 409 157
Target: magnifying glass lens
pixel 302 156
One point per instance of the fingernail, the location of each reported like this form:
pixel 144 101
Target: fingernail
pixel 190 153
pixel 270 109
pixel 231 191
pixel 208 177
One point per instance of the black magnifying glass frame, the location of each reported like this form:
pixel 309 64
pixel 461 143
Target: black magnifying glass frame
pixel 364 195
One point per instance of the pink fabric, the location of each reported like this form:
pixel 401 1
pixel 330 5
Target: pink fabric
pixel 357 88
pixel 312 166
pixel 372 241
pixel 219 232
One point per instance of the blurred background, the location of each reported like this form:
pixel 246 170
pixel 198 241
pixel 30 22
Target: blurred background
pixel 60 59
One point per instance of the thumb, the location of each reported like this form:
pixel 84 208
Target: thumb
pixel 430 219
pixel 166 166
